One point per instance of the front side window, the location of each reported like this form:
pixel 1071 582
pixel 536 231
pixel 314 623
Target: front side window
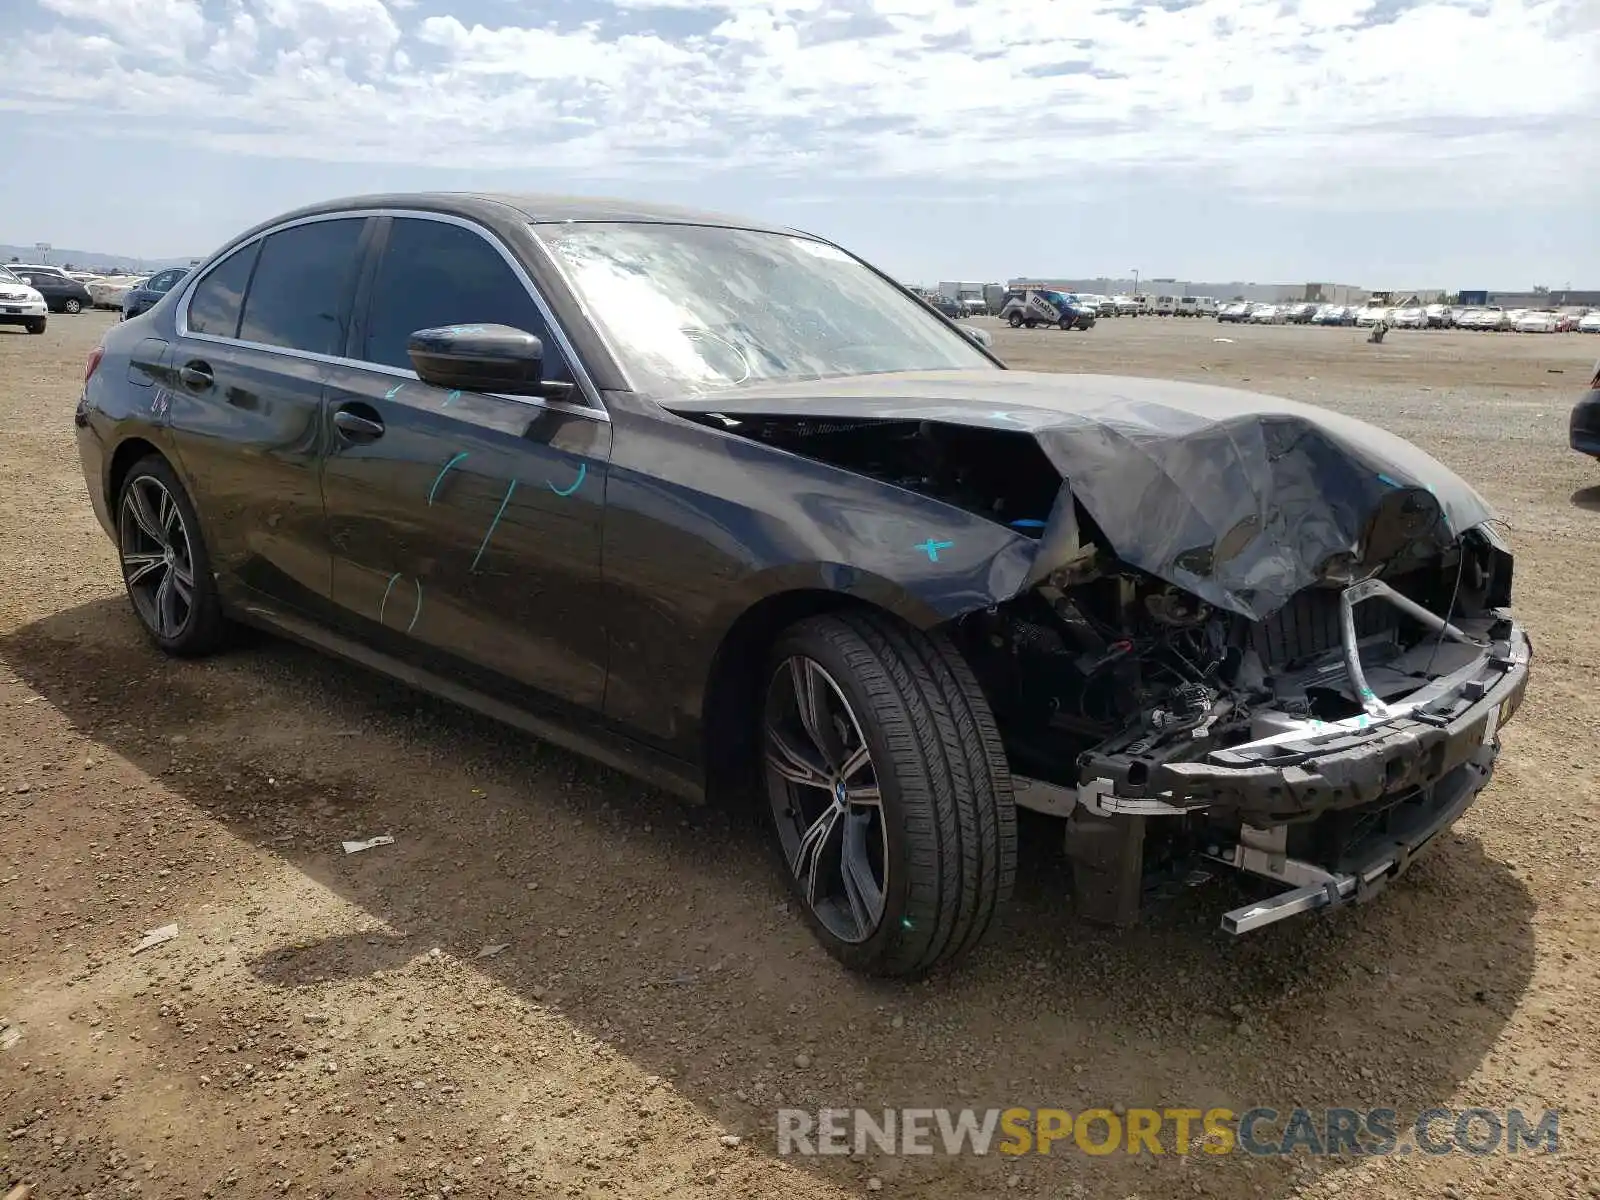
pixel 214 307
pixel 700 308
pixel 435 273
pixel 300 296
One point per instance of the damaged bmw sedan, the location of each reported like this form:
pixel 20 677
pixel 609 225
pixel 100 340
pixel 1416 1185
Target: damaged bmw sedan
pixel 723 506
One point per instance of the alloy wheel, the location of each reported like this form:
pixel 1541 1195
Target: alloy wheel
pixel 825 799
pixel 157 556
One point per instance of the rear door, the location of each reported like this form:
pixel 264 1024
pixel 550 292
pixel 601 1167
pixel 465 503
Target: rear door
pixel 465 527
pixel 256 337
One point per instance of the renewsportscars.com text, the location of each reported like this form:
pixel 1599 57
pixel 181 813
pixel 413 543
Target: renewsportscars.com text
pixel 1260 1132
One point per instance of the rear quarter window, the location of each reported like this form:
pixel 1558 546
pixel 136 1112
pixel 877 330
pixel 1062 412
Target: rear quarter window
pixel 219 296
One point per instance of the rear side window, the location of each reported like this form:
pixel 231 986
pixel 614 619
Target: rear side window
pixel 432 274
pixel 300 296
pixel 214 306
pixel 164 281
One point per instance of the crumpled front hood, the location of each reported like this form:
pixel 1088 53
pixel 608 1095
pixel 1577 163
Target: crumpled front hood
pixel 1242 499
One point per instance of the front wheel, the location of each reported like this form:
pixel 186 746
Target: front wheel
pixel 889 792
pixel 165 565
pixel 35 325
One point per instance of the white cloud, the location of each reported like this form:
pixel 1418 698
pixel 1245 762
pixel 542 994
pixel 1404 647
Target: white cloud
pixel 235 44
pixel 146 27
pixel 1430 102
pixel 366 23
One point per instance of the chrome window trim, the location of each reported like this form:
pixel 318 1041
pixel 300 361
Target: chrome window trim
pixel 595 410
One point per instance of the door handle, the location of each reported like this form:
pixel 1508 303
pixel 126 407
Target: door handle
pixel 357 428
pixel 196 374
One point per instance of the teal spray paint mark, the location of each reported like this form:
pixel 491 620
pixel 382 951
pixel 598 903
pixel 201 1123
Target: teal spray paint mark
pixel 493 525
pixel 417 611
pixel 451 398
pixel 443 471
pixel 384 603
pixel 583 470
pixel 393 392
pixel 931 548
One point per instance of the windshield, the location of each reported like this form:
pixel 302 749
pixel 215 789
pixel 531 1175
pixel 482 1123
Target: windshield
pixel 700 308
pixel 7 277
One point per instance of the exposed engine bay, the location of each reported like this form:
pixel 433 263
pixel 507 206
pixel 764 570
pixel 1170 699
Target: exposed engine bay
pixel 1299 674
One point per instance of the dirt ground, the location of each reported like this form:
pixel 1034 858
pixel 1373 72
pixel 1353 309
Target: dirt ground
pixel 325 1025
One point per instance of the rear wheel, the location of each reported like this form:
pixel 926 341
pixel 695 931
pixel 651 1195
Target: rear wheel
pixel 165 565
pixel 889 792
pixel 72 305
pixel 1015 320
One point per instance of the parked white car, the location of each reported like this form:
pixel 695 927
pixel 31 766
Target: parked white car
pixel 1372 314
pixel 1266 314
pixel 1165 306
pixel 1538 321
pixel 21 304
pixel 1589 322
pixel 108 291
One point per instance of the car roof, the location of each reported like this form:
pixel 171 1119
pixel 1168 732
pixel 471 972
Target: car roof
pixel 532 207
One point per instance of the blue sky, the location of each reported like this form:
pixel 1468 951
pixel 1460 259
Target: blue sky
pixel 1449 143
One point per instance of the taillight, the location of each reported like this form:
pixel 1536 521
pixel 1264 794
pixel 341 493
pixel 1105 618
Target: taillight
pixel 95 356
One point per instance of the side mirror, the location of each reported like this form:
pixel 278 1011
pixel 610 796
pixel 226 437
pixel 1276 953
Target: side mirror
pixel 479 358
pixel 981 336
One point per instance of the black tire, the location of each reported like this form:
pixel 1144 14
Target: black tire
pixel 1031 323
pixel 203 627
pixel 35 324
pixel 72 306
pixel 1015 320
pixel 1064 324
pixel 946 831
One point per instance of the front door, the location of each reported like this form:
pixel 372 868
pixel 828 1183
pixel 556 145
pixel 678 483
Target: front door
pixel 465 527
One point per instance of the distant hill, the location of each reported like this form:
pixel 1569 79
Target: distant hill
pixel 89 260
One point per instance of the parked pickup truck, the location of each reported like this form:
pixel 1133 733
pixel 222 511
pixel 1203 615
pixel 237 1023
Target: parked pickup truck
pixel 1044 307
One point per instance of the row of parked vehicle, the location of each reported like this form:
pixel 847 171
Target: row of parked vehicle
pixel 1430 316
pixel 34 290
pixel 1145 306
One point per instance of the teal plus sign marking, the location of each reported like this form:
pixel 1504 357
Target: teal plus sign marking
pixel 932 547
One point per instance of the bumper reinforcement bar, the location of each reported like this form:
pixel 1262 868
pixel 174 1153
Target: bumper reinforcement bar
pixel 1380 860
